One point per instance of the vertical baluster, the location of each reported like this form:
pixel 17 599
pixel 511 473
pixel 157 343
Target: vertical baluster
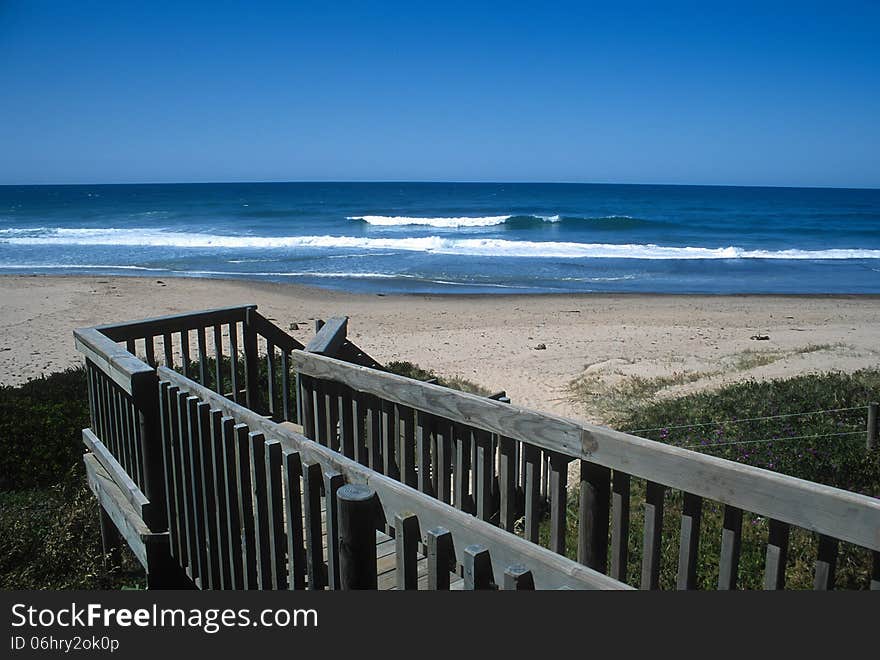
pixel 274 499
pixel 826 563
pixel 175 492
pixel 443 460
pixel 360 432
pixel 441 558
pixel 261 509
pixel 390 440
pixel 286 410
pixel 233 360
pixel 406 544
pixel 405 417
pixel 307 417
pixel 220 539
pixel 130 347
pixel 150 350
pixel 689 548
pixel 731 541
pixel 594 512
pixel 346 421
pixel 246 507
pixel 218 360
pixel 653 532
pixel 251 358
pixel 477 568
pixel 203 356
pixel 207 494
pixel 168 465
pixel 296 553
pixel 483 471
pixel 532 458
pixel 374 433
pixel 184 351
pixel 331 415
pixel 270 378
pixel 507 483
pixel 462 470
pixel 196 493
pixel 518 578
pixel 777 555
pixel 333 481
pixel 234 527
pixel 620 493
pixel 558 501
pixel 319 399
pixel 168 349
pixel 312 481
pixel 424 434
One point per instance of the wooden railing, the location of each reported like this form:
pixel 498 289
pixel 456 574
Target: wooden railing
pixel 484 456
pixel 232 474
pixel 209 489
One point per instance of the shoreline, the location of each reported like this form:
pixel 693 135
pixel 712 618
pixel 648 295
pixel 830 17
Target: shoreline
pixel 677 342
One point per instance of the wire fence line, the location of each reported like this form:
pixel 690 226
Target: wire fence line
pixel 711 445
pixel 749 419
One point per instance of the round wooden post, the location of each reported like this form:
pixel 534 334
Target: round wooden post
pixel 357 537
pixel 872 425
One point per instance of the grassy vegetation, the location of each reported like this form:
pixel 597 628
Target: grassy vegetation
pixel 414 371
pixel 49 535
pixel 723 423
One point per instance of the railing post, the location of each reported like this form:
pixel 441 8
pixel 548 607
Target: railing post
pixel 145 395
pixel 252 391
pixel 357 537
pixel 872 425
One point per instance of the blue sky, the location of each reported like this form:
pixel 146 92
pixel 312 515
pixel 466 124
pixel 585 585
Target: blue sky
pixel 742 94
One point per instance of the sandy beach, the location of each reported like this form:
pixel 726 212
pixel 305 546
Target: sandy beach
pixel 679 343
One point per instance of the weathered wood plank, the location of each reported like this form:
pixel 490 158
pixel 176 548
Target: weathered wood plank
pixel 532 457
pixel 507 483
pixel 113 502
pixel 257 442
pixel 203 356
pixel 136 499
pixel 483 474
pixel 233 360
pixel 198 544
pixel 218 359
pixel 330 337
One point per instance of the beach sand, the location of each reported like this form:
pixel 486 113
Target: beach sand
pixel 683 342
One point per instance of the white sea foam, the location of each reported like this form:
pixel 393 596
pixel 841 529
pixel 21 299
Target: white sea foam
pixel 429 244
pixel 445 223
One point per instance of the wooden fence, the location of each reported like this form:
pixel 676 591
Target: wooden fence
pixel 202 475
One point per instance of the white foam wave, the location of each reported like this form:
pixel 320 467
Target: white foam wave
pixel 429 244
pixel 445 223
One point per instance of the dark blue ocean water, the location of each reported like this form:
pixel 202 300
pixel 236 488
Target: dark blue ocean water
pixel 454 238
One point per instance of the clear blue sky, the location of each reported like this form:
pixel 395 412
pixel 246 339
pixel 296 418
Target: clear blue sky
pixel 745 94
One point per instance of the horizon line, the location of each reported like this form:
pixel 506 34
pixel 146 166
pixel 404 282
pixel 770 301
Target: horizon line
pixel 439 182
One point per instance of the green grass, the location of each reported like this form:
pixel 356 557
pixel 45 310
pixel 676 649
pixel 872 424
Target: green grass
pixel 415 372
pixel 726 429
pixel 49 534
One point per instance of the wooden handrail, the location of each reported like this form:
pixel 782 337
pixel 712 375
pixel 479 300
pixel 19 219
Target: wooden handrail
pixel 122 367
pixel 174 322
pixel 831 511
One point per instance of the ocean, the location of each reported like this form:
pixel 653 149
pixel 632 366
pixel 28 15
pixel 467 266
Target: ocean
pixel 454 237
